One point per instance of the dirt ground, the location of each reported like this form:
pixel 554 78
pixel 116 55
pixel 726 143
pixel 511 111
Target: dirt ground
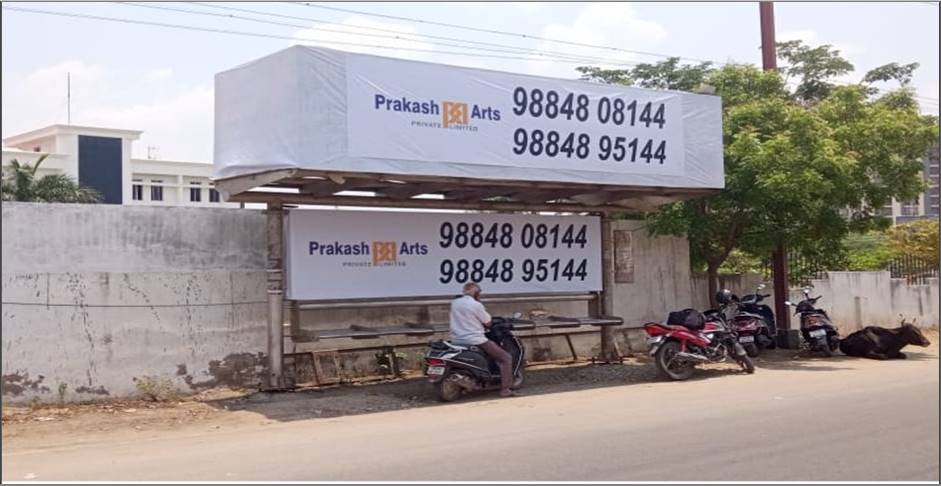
pixel 227 407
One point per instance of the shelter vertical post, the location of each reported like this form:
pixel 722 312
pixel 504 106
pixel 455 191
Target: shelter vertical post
pixel 274 268
pixel 609 346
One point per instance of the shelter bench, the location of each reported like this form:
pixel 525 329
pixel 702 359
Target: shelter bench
pixel 359 332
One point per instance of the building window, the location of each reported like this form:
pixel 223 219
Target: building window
pixel 910 208
pixel 196 193
pixel 137 192
pixel 213 195
pixel 156 191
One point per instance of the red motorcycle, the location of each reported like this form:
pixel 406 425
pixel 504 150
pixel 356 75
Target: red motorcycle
pixel 689 338
pixel 752 320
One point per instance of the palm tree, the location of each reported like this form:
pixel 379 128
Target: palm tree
pixel 20 184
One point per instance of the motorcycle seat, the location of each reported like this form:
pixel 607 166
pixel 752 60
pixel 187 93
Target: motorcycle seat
pixel 446 345
pixel 749 314
pixel 690 319
pixel 683 327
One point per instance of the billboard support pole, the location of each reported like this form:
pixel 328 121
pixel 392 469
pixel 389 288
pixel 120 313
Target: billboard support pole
pixel 609 346
pixel 274 269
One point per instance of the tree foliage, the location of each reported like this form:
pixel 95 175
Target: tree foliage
pixel 902 73
pixel 804 165
pixel 815 67
pixel 606 76
pixel 21 184
pixel 667 74
pixel 867 252
pixel 918 238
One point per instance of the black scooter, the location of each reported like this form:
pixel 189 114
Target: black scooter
pixel 753 321
pixel 816 327
pixel 455 370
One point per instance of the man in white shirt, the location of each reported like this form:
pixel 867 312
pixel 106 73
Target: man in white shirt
pixel 468 320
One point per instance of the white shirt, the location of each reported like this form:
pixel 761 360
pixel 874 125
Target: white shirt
pixel 467 321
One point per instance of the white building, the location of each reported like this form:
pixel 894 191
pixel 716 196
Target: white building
pixel 926 205
pixel 100 158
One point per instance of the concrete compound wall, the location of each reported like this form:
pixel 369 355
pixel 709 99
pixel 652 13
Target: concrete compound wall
pixel 108 301
pixel 113 301
pixel 852 299
pixel 858 299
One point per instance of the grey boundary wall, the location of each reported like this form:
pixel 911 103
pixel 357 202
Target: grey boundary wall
pixel 102 301
pixel 109 301
pixel 852 299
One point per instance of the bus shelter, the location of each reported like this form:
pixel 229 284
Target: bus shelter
pixel 537 165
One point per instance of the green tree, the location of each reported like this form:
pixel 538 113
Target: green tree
pixel 866 251
pixel 918 238
pixel 667 74
pixel 902 73
pixel 606 76
pixel 741 262
pixel 804 165
pixel 815 67
pixel 21 184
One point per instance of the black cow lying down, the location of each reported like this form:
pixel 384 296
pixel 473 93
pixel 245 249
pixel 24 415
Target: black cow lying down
pixel 880 343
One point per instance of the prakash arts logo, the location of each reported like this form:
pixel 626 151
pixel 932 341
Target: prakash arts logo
pixel 368 254
pixel 455 113
pixel 383 251
pixel 450 115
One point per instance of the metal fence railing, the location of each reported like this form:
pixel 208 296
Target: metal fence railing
pixel 800 269
pixel 913 269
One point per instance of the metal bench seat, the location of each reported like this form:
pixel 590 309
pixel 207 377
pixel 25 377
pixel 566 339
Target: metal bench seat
pixel 417 330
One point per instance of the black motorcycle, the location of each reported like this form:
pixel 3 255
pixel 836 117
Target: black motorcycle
pixel 754 321
pixel 455 370
pixel 816 327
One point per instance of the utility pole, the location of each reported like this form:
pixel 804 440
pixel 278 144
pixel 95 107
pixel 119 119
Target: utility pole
pixel 769 50
pixel 769 61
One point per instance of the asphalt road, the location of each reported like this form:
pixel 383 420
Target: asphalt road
pixel 835 420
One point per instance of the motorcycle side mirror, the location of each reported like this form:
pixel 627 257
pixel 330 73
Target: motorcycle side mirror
pixel 806 290
pixel 787 302
pixel 517 315
pixel 761 286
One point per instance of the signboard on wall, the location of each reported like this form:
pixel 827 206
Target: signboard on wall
pixel 321 109
pixel 367 254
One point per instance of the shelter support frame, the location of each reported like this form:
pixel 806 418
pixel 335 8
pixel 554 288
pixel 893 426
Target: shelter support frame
pixel 274 269
pixel 284 188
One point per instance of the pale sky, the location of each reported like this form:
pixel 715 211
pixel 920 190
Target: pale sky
pixel 160 79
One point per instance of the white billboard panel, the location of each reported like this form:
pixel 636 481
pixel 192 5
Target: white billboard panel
pixel 319 109
pixel 367 254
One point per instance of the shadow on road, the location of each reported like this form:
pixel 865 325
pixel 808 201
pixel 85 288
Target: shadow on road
pixel 416 392
pixel 913 355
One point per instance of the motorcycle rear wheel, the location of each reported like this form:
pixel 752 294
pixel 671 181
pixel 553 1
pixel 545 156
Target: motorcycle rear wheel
pixel 448 390
pixel 518 379
pixel 667 366
pixel 746 363
pixel 752 350
pixel 773 342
